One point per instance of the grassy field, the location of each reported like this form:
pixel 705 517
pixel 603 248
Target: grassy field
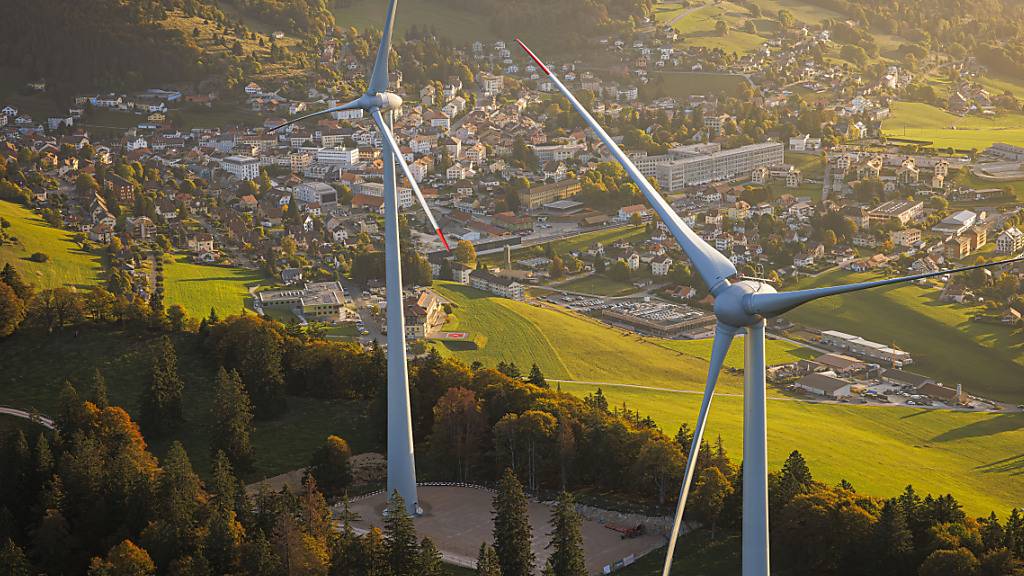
pixel 283 444
pixel 595 284
pixel 697 27
pixel 569 346
pixel 985 358
pixel 199 287
pixel 976 457
pixel 920 121
pixel 683 84
pixel 695 554
pixel 460 26
pixel 68 265
pixel 606 237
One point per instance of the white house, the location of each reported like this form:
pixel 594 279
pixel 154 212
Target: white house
pixel 661 265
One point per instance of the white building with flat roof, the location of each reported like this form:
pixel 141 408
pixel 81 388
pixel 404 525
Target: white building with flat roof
pixel 318 301
pixel 310 192
pixel 704 168
pixel 340 156
pixel 242 167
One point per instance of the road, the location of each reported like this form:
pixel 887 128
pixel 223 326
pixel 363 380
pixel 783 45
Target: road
pixel 43 420
pixel 355 294
pixel 779 398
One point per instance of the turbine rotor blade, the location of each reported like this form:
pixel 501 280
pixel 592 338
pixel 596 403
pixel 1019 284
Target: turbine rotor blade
pixel 724 334
pixel 379 77
pixel 769 305
pixel 712 266
pixel 389 141
pixel 346 106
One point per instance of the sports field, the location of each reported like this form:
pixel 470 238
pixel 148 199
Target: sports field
pixel 199 287
pixel 68 264
pixel 684 84
pixel 919 121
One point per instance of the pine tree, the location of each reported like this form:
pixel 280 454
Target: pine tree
pixel 487 562
pixel 537 377
pixel 430 559
pixel 512 535
pixel 567 539
pixel 224 533
pixel 161 400
pixel 98 393
pixel 232 420
pixel 795 477
pixel 12 560
pixel 400 538
pixel 12 278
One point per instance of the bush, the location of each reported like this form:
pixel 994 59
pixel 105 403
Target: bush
pixel 39 257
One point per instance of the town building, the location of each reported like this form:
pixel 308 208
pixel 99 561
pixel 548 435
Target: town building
pixel 660 318
pixel 318 301
pixel 1010 241
pixel 242 167
pixel 704 168
pixel 537 196
pixel 866 348
pixel 903 211
pixel 497 285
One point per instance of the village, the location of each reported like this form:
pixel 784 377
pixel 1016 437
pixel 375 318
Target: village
pixel 303 205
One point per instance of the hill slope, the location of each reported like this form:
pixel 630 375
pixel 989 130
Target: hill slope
pixel 974 456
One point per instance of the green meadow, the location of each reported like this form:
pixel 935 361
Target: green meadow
pixel 68 264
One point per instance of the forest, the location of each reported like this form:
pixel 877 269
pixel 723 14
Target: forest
pixel 91 495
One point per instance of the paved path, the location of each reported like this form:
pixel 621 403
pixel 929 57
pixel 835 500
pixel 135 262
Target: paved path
pixel 779 398
pixel 43 420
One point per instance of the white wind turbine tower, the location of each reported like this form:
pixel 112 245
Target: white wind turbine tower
pixel 741 304
pixel 381 105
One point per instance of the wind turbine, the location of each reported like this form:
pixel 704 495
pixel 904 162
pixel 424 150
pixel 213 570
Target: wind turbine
pixel 741 304
pixel 381 105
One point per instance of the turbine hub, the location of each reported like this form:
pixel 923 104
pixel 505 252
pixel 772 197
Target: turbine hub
pixel 388 101
pixel 731 303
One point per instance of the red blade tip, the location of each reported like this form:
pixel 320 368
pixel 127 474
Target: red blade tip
pixel 443 241
pixel 534 56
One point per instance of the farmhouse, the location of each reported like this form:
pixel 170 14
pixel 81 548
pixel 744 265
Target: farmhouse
pixel 824 384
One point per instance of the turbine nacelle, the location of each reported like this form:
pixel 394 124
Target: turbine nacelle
pixel 383 100
pixel 732 303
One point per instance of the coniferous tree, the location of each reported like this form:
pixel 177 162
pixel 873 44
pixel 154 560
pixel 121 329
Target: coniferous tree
pixel 13 561
pixel 430 563
pixel 98 393
pixel 180 496
pixel 512 534
pixel 487 562
pixel 161 400
pixel 224 532
pixel 400 539
pixel 232 420
pixel 795 477
pixel 537 377
pixel 124 559
pixel 566 539
pixel 12 278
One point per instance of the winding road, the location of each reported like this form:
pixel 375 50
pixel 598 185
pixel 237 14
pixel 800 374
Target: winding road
pixel 17 413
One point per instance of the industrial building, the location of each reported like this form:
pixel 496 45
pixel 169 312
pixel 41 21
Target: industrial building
pixel 661 318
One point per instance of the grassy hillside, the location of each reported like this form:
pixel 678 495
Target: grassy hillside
pixel 68 265
pixel 34 381
pixel 976 457
pixel 459 26
pixel 696 26
pixel 573 347
pixel 985 358
pixel 920 121
pixel 198 287
pixel 971 455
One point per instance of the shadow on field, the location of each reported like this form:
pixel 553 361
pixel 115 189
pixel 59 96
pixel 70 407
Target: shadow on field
pixel 999 424
pixel 1013 464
